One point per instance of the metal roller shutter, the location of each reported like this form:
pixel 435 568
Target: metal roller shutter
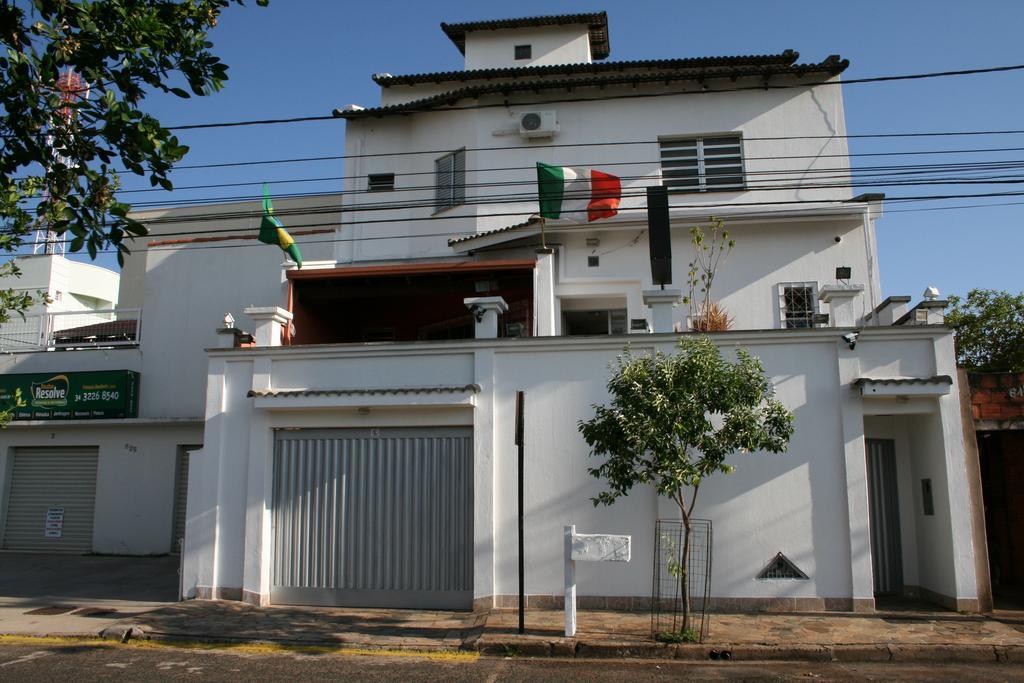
pixel 180 496
pixel 45 480
pixel 374 518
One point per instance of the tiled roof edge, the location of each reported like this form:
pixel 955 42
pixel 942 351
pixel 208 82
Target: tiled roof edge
pixel 785 58
pixel 831 66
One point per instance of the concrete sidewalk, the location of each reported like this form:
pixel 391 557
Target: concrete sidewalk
pixel 883 636
pixel 80 595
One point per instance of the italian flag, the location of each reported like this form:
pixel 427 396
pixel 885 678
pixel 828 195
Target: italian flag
pixel 575 193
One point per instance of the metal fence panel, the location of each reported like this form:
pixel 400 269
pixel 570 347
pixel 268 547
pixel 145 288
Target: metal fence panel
pixel 373 518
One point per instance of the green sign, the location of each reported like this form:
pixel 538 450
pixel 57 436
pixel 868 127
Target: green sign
pixel 71 395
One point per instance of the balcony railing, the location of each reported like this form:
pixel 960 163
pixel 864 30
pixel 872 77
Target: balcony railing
pixel 72 330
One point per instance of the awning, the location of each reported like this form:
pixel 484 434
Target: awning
pixel 909 387
pixel 291 399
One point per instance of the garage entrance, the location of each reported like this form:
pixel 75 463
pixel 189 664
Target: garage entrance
pixel 51 500
pixel 373 518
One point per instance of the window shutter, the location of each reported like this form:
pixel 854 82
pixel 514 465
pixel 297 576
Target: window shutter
pixel 459 178
pixel 443 180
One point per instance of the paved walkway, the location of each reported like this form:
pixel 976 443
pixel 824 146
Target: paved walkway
pixel 907 636
pixel 74 595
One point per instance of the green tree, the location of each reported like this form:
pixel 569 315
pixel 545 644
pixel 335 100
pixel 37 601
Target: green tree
pixel 989 328
pixel 672 422
pixel 63 138
pixel 62 145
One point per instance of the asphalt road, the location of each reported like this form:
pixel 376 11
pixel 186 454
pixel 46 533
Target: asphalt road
pixel 47 661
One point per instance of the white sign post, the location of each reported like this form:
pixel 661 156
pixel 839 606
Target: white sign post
pixel 587 548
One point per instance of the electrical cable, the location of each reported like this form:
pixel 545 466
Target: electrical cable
pixel 704 90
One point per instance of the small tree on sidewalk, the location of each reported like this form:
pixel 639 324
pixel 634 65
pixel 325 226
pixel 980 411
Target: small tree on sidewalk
pixel 672 422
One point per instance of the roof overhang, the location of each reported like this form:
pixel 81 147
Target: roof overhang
pixel 407 269
pixel 680 217
pixel 312 399
pixel 904 387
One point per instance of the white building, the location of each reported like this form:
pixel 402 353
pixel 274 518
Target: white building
pixel 362 452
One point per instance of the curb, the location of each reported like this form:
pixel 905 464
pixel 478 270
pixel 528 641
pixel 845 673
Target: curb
pixel 869 652
pixel 583 649
pixel 134 633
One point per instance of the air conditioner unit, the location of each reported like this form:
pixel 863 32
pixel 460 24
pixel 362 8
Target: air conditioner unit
pixel 538 124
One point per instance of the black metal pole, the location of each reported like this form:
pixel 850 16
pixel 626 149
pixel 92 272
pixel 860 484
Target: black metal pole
pixel 519 445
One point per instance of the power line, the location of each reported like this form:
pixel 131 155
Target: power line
pixel 250 240
pixel 339 157
pixel 854 81
pixel 601 164
pixel 877 177
pixel 864 172
pixel 522 214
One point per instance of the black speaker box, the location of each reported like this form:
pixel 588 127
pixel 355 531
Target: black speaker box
pixel 658 235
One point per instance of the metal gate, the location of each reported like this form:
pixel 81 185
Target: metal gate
pixel 180 496
pixel 51 500
pixel 374 518
pixel 884 509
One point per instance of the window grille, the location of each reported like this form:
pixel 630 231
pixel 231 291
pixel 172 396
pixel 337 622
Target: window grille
pixel 380 182
pixel 798 302
pixel 524 51
pixel 702 164
pixel 450 180
pixel 781 568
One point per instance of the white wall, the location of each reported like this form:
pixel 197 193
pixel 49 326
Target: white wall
pixel 134 478
pixel 189 287
pixel 766 255
pixel 756 114
pixel 551 45
pixel 71 285
pixel 796 502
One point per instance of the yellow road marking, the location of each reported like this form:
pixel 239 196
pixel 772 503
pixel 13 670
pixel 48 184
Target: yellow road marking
pixel 244 648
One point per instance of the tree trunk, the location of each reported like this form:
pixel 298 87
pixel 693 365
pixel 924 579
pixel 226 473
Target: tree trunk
pixel 685 561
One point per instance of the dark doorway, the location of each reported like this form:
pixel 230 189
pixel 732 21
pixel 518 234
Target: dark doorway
pixel 884 511
pixel 1002 483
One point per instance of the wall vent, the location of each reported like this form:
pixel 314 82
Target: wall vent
pixel 781 567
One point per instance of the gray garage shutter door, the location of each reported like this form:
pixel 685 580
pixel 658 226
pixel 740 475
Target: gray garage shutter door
pixel 374 518
pixel 45 480
pixel 180 496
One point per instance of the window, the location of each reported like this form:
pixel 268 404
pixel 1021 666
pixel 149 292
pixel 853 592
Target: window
pixel 611 321
pixel 524 51
pixel 593 261
pixel 798 302
pixel 380 182
pixel 702 164
pixel 450 180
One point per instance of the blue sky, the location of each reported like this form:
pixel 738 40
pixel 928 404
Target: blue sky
pixel 306 57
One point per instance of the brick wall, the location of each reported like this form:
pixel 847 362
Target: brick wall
pixel 997 395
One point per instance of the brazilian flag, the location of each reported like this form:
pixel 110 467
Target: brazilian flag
pixel 273 232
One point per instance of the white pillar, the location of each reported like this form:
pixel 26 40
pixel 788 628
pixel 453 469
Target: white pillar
pixel 486 310
pixel 268 321
pixel 544 293
pixel 227 337
pixel 662 301
pixel 845 304
pixel 570 583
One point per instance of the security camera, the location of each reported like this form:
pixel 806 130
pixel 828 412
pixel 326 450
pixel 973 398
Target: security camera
pixel 851 339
